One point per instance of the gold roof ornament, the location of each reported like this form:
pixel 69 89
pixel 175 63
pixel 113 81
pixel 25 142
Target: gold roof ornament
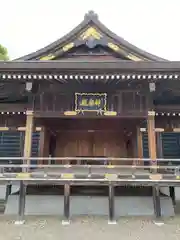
pixel 90 32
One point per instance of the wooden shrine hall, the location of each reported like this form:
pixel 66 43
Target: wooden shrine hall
pixel 90 94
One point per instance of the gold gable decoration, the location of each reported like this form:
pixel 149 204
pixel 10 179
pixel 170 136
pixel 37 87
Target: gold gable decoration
pixel 48 57
pixel 68 46
pixel 134 58
pixel 130 56
pixel 90 32
pixel 117 48
pixel 114 47
pixel 51 56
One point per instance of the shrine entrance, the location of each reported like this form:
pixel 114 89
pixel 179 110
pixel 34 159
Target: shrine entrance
pixel 92 138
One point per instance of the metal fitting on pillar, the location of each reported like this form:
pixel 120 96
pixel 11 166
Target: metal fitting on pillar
pixel 151 113
pixel 29 112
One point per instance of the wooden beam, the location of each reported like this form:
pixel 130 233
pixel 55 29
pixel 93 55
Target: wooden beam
pixel 156 130
pixel 23 129
pixel 159 130
pixel 152 136
pixel 13 108
pixel 37 129
pixel 60 114
pixel 176 130
pixel 28 135
pixel 4 129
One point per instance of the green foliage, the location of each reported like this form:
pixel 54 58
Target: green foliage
pixel 3 53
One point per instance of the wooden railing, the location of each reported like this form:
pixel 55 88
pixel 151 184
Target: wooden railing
pixel 155 175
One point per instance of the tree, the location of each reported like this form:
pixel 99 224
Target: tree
pixel 3 53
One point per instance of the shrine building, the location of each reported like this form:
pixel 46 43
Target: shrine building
pixel 90 94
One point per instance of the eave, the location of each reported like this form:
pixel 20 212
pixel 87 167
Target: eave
pixel 91 71
pixel 115 66
pixel 91 20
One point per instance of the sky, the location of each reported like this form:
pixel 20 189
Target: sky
pixel 152 25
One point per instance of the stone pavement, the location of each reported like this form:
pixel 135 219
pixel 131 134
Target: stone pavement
pixel 86 228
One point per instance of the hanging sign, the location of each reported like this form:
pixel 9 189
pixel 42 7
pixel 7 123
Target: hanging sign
pixel 90 102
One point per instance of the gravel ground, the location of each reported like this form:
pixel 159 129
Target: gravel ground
pixel 50 228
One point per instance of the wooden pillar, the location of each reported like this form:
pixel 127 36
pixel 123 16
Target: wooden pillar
pixel 22 204
pixel 139 145
pixel 152 137
pixel 66 220
pixel 153 157
pixel 156 202
pixel 46 145
pixel 41 144
pixel 111 205
pixel 28 135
